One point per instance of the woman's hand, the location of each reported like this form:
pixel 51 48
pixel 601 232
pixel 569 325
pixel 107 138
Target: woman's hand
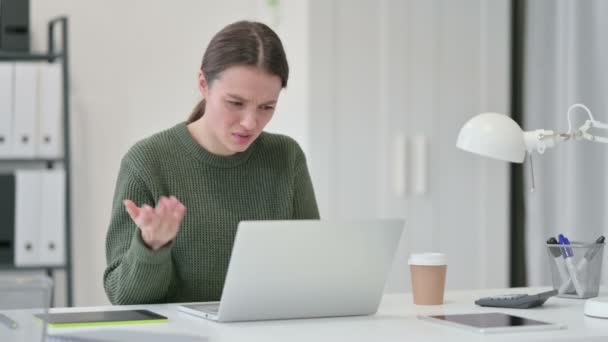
pixel 158 225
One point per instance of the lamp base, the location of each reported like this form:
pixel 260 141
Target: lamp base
pixel 597 307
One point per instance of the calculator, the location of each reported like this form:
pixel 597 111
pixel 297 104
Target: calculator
pixel 516 301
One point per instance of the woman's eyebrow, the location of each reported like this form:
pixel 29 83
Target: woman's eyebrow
pixel 236 97
pixel 239 98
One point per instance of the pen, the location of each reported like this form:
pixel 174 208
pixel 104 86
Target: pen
pixel 8 321
pixel 560 262
pixel 568 254
pixel 593 251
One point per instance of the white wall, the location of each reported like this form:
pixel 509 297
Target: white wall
pixel 133 71
pixel 417 68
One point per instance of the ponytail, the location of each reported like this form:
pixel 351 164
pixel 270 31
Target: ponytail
pixel 198 111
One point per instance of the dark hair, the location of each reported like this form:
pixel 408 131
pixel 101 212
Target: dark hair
pixel 242 43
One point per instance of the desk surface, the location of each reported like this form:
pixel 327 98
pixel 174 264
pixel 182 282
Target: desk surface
pixel 395 321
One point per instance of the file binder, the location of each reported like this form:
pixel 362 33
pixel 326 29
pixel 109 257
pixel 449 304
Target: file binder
pixel 7 218
pixel 27 221
pixel 26 106
pixel 52 218
pixel 50 143
pixel 6 108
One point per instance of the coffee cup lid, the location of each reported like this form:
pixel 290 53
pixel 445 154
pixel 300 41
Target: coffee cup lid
pixel 428 259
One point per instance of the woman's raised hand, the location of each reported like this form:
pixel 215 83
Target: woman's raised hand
pixel 158 225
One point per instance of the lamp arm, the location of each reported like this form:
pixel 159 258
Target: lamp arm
pixel 582 132
pixel 541 139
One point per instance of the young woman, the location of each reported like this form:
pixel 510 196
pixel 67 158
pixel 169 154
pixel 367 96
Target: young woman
pixel 220 165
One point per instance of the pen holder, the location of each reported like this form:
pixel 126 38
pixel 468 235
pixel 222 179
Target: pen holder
pixel 576 268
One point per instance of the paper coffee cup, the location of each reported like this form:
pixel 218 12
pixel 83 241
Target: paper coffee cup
pixel 428 272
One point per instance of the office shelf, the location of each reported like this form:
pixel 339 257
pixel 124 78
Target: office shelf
pixel 55 53
pixel 17 56
pixel 32 160
pixel 10 267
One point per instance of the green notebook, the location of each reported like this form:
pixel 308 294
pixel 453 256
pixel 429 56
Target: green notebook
pixel 96 318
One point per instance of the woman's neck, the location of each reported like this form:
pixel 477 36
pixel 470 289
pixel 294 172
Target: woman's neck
pixel 203 135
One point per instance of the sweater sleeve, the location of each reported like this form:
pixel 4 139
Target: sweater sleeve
pixel 134 274
pixel 304 202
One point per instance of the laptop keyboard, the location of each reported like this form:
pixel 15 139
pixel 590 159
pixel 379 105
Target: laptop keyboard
pixel 212 308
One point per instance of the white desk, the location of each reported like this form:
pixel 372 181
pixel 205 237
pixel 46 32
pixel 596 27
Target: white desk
pixel 395 321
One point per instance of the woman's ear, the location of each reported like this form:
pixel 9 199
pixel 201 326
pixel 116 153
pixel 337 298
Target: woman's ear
pixel 203 87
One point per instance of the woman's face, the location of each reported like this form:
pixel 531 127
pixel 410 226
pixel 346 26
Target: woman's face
pixel 239 104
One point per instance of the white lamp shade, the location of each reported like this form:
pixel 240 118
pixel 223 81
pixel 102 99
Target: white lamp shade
pixel 493 135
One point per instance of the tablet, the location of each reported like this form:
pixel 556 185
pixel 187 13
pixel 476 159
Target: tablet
pixel 94 318
pixel 492 322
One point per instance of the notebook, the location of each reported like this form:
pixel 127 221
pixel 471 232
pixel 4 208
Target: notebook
pixel 97 318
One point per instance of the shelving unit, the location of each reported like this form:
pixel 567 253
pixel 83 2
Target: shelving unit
pixel 56 51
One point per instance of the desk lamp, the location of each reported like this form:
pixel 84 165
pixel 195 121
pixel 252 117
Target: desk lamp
pixel 498 136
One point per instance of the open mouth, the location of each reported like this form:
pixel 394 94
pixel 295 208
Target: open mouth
pixel 242 138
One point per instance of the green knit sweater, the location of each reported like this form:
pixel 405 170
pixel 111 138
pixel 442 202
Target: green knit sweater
pixel 269 181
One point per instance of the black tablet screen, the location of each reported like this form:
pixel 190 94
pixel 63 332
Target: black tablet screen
pixel 489 320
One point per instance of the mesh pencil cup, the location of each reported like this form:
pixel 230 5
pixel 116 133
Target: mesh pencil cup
pixel 576 268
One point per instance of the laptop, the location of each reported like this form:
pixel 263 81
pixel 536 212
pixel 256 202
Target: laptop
pixel 304 269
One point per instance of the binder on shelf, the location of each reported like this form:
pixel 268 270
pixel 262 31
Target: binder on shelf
pixel 52 218
pixel 6 108
pixel 26 107
pixel 27 217
pixel 7 218
pixel 50 142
